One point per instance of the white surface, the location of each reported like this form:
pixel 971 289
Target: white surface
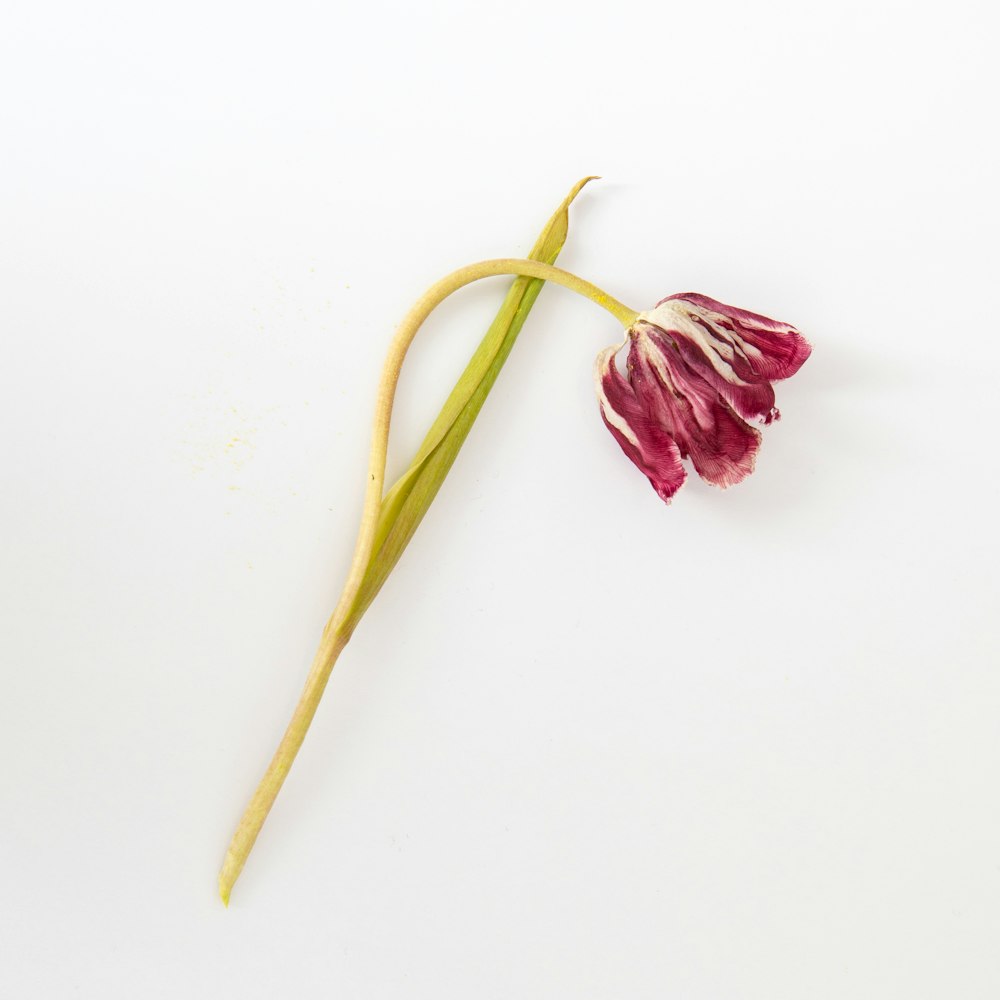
pixel 584 745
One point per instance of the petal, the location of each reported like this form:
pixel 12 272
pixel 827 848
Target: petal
pixel 766 348
pixel 733 350
pixel 723 448
pixel 750 399
pixel 642 439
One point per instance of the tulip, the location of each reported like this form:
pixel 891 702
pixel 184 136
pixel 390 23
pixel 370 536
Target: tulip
pixel 698 372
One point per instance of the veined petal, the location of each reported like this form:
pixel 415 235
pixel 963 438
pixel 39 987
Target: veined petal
pixel 641 437
pixel 750 399
pixel 722 447
pixel 736 351
pixel 766 348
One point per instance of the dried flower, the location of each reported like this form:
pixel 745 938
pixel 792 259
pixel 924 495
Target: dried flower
pixel 698 370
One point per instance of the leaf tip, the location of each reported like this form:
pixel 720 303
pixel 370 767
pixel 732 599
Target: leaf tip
pixel 581 184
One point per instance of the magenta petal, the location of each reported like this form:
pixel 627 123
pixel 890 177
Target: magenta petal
pixel 750 399
pixel 723 448
pixel 642 439
pixel 766 348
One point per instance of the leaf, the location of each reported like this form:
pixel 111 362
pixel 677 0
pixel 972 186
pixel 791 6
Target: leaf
pixel 404 505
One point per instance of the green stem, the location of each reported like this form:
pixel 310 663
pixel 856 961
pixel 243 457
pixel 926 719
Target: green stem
pixel 414 319
pixel 339 628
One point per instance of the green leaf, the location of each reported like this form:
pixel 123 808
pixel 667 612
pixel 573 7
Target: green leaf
pixel 405 504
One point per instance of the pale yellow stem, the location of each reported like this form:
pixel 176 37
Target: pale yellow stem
pixel 267 791
pixel 338 630
pixel 430 300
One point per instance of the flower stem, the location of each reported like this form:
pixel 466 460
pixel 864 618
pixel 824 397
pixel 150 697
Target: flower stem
pixel 340 626
pixel 414 319
pixel 259 806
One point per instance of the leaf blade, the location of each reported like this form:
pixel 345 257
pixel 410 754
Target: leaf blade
pixel 406 503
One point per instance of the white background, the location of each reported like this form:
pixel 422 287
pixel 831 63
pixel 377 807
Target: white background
pixel 584 745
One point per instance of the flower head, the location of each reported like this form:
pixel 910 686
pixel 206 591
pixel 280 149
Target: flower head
pixel 698 371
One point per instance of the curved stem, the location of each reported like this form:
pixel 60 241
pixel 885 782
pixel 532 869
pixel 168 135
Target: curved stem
pixel 338 629
pixel 414 319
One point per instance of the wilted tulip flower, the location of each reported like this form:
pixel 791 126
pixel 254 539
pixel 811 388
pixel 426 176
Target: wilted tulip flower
pixel 698 371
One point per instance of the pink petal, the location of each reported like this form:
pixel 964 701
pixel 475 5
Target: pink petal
pixel 722 447
pixel 768 349
pixel 750 399
pixel 642 439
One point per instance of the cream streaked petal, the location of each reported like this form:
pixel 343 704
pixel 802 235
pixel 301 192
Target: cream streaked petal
pixel 736 351
pixel 641 437
pixel 604 381
pixel 751 400
pixel 766 348
pixel 671 317
pixel 722 447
